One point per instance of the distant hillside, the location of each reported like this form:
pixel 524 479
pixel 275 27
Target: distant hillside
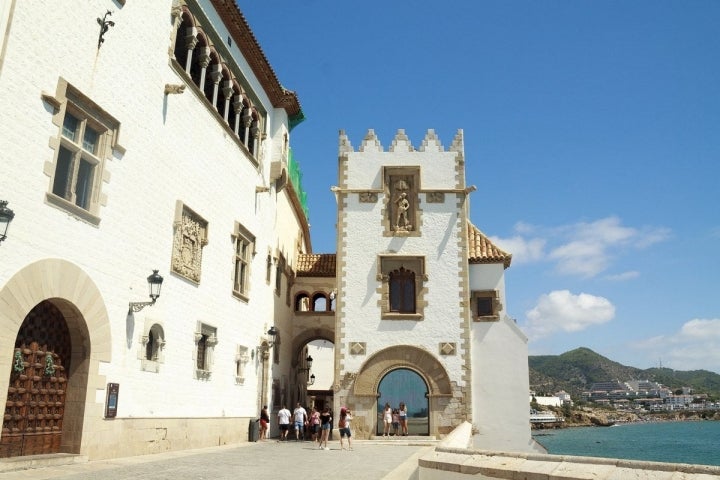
pixel 575 371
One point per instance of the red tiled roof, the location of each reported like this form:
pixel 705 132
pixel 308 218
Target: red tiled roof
pixel 316 265
pixel 482 250
pixel 244 37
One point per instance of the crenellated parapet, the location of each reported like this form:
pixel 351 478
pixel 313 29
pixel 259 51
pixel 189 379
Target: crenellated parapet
pixel 401 143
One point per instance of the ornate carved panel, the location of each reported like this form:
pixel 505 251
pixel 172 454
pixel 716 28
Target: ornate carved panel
pixel 189 239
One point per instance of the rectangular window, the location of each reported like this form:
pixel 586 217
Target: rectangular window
pixel 486 305
pixel 205 341
pixel 201 352
pixel 279 272
pixel 244 251
pixel 402 285
pixel 86 139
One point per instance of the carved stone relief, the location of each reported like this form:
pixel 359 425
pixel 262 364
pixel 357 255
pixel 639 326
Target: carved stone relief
pixel 368 197
pixel 403 203
pixel 435 197
pixel 189 239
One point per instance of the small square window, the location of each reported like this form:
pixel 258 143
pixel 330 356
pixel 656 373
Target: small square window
pixel 485 305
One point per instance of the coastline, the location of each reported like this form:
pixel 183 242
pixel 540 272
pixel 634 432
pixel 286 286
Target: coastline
pixel 603 417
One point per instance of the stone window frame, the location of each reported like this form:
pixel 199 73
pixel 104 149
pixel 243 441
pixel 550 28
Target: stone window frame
pixel 244 251
pixel 389 263
pixel 280 265
pixel 186 258
pixel 70 101
pixel 268 267
pixel 495 305
pixel 242 358
pixel 205 341
pixel 152 351
pixel 391 193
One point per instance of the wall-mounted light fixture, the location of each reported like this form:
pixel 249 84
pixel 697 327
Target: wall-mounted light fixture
pixel 6 216
pixel 306 369
pixel 272 333
pixel 155 283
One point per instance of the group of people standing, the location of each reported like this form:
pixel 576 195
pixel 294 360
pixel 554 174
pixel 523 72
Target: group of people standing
pixel 395 420
pixel 317 424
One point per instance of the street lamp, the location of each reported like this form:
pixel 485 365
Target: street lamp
pixel 155 284
pixel 6 216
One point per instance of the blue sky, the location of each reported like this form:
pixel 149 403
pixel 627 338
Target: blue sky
pixel 592 131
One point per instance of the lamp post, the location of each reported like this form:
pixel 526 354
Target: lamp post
pixel 6 216
pixel 155 284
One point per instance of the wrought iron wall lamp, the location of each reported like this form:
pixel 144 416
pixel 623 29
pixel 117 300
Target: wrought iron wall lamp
pixel 155 283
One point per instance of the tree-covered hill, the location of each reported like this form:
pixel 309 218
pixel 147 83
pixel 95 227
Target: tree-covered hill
pixel 575 371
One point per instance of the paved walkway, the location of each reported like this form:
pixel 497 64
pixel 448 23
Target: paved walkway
pixel 269 460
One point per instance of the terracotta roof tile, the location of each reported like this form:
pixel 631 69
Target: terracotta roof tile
pixel 316 265
pixel 482 250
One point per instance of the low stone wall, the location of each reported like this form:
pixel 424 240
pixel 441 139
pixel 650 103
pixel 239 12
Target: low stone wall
pixel 127 437
pixel 451 460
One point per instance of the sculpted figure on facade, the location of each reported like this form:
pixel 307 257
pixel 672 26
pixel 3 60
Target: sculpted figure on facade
pixel 402 206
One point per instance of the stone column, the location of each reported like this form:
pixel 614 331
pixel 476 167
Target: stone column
pixel 237 106
pixel 190 43
pixel 204 61
pixel 227 93
pixel 215 77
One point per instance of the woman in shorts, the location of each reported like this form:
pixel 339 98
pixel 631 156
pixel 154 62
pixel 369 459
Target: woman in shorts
pixel 325 426
pixel 344 426
pixel 264 423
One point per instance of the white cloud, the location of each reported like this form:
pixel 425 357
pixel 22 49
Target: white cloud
pixel 583 249
pixel 621 277
pixel 696 345
pixel 561 310
pixel 523 250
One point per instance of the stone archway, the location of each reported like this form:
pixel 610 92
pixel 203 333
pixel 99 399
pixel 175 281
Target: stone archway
pixel 73 293
pixel 360 390
pixel 311 394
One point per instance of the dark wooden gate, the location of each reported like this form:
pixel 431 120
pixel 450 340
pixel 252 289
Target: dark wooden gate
pixel 32 424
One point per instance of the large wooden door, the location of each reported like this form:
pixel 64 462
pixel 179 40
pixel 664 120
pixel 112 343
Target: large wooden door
pixel 32 424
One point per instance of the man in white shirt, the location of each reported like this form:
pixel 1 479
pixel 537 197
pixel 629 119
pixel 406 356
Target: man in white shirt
pixel 300 415
pixel 284 422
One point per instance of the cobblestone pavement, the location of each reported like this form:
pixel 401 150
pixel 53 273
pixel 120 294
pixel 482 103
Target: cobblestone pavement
pixel 262 460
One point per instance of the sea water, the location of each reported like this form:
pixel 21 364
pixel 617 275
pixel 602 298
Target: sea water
pixel 675 442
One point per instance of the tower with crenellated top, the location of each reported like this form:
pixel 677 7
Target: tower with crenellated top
pixel 421 297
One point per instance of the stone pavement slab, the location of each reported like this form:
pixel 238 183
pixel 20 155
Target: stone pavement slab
pixel 268 460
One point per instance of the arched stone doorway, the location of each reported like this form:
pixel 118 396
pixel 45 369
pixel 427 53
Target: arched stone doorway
pixel 33 420
pixel 313 386
pixel 360 390
pixel 75 322
pixel 406 387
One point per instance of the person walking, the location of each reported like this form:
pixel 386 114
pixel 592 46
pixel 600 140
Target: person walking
pixel 325 426
pixel 387 420
pixel 315 424
pixel 264 423
pixel 284 422
pixel 403 419
pixel 300 417
pixel 344 426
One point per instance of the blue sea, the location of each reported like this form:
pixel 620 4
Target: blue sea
pixel 674 442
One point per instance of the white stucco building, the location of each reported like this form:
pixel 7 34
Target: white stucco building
pixel 142 136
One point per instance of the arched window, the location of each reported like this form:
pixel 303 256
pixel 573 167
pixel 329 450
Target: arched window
pixel 319 302
pixel 302 302
pixel 402 291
